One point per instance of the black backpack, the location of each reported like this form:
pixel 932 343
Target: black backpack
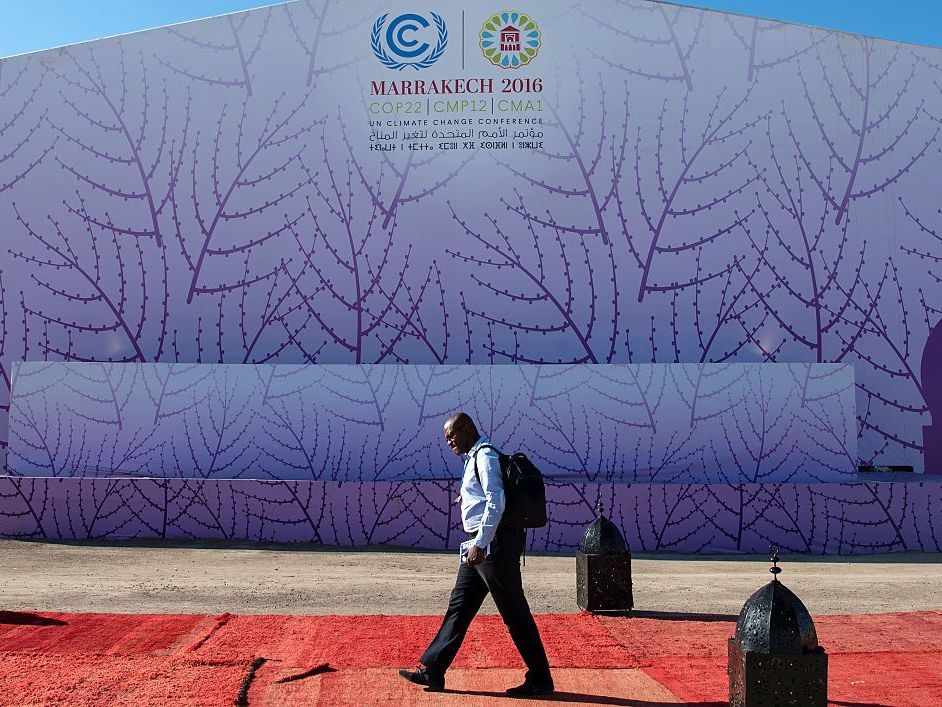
pixel 524 492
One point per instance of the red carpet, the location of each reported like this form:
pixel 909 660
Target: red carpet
pixel 142 660
pixel 357 641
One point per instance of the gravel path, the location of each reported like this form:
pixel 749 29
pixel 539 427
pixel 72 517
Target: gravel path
pixel 252 579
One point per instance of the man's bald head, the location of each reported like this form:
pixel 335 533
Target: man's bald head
pixel 460 432
pixel 459 419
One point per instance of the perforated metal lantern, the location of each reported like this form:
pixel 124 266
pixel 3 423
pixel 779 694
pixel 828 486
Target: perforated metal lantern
pixel 603 569
pixel 775 659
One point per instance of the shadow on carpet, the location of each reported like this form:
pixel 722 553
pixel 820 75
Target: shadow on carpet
pixel 22 618
pixel 580 698
pixel 683 616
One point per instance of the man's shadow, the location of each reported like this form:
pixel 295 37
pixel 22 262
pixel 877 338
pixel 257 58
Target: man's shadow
pixel 582 698
pixel 22 618
pixel 586 699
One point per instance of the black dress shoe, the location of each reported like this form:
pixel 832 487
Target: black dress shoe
pixel 431 681
pixel 532 687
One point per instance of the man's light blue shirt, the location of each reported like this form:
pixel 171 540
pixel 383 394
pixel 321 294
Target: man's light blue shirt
pixel 482 500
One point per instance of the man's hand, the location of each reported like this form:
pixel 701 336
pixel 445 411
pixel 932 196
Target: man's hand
pixel 475 556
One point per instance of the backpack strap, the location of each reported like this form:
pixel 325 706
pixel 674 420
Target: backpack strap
pixel 475 458
pixel 503 482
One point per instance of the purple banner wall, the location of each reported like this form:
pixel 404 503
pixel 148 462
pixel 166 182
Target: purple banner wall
pixel 689 186
pixel 653 184
pixel 692 423
pixel 858 518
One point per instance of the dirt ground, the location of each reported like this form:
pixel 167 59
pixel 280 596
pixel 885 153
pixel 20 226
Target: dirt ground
pixel 203 578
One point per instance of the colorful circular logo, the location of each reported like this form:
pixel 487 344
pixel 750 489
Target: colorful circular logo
pixel 510 39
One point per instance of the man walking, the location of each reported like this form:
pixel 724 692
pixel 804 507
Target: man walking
pixel 493 565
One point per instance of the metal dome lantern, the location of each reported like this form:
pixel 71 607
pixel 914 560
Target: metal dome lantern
pixel 603 569
pixel 774 658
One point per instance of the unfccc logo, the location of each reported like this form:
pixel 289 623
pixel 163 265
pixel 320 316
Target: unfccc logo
pixel 403 42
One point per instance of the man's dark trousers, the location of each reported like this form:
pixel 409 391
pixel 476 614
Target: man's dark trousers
pixel 499 574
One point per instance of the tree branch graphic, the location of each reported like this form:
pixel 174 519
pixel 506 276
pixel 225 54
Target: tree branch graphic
pixel 299 16
pixel 810 262
pixel 21 118
pixel 353 288
pixel 118 138
pixel 240 50
pixel 889 350
pixel 718 156
pixel 864 119
pixel 587 150
pixel 122 308
pixel 750 32
pixel 678 32
pixel 233 207
pixel 219 435
pixel 542 309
